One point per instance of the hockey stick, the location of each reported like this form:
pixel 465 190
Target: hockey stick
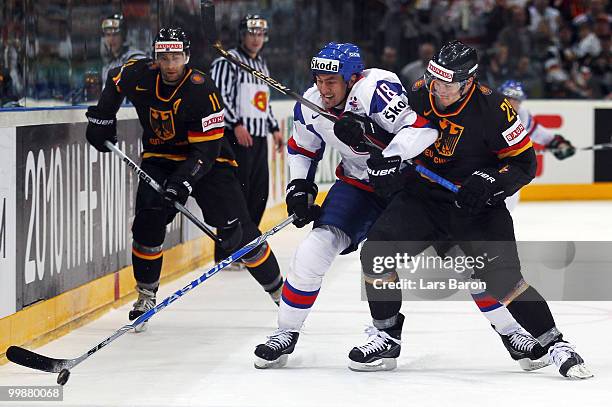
pixel 33 360
pixel 153 184
pixel 208 20
pixel 595 147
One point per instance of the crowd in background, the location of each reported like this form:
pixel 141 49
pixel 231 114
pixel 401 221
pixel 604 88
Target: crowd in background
pixel 556 48
pixel 51 51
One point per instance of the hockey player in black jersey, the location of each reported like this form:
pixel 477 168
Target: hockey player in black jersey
pixel 184 149
pixel 484 149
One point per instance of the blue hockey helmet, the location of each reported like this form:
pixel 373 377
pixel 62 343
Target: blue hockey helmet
pixel 338 58
pixel 513 90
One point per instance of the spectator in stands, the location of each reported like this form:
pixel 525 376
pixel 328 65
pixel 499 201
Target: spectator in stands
pixel 415 70
pixel 498 67
pixel 388 59
pixel 593 9
pixel 516 36
pixel 588 46
pixel 525 72
pixel 541 11
pixel 7 96
pixel 498 18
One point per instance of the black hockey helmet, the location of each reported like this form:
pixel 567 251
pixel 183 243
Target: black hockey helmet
pixel 113 24
pixel 173 39
pixel 253 23
pixel 455 62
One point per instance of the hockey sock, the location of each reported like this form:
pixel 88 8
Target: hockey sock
pixel 531 311
pixel 385 304
pixel 263 266
pixel 147 263
pixel 497 314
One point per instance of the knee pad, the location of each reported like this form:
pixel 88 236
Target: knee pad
pixel 315 254
pixel 231 236
pixel 149 227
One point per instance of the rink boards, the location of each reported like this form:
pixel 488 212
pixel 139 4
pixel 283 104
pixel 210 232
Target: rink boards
pixel 67 210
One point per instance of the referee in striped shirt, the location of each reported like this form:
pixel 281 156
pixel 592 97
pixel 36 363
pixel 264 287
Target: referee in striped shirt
pixel 248 115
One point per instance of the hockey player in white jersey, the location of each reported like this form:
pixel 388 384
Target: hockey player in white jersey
pixel 556 143
pixel 362 99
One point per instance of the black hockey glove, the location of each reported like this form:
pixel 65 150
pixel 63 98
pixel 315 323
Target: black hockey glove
pixel 100 128
pixel 561 147
pixel 301 195
pixel 384 175
pixel 478 190
pixel 350 131
pixel 176 189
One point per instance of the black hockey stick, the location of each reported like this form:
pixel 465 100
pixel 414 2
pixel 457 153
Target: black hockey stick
pixel 153 184
pixel 207 9
pixel 33 360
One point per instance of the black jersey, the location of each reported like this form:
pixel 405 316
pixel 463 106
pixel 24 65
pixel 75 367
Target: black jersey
pixel 480 131
pixel 176 120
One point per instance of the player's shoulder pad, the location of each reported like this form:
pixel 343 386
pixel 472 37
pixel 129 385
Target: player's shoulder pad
pixel 500 116
pixel 132 70
pixel 380 89
pixel 484 89
pixel 197 77
pixel 418 85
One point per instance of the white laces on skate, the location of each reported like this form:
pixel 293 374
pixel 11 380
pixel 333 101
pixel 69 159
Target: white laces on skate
pixel 146 299
pixel 522 340
pixel 377 340
pixel 560 352
pixel 279 339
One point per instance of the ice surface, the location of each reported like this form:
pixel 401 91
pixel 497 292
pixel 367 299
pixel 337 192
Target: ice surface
pixel 199 350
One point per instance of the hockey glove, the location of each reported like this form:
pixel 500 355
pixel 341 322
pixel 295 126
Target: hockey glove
pixel 100 128
pixel 301 195
pixel 384 175
pixel 561 147
pixel 478 190
pixel 176 189
pixel 350 131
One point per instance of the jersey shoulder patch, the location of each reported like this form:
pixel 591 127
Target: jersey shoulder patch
pixel 197 77
pixel 418 84
pixel 485 90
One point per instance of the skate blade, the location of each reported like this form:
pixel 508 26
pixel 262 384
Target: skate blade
pixel 271 364
pixel 579 372
pixel 529 365
pixel 375 366
pixel 142 327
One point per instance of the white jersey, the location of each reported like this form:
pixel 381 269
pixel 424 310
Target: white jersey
pixel 379 95
pixel 538 133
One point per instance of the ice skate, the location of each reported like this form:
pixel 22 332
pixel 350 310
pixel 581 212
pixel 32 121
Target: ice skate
pixel 145 302
pixel 381 350
pixel 275 352
pixel 569 362
pixel 526 350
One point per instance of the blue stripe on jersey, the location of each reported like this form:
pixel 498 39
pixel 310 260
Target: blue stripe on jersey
pixel 297 113
pixel 385 91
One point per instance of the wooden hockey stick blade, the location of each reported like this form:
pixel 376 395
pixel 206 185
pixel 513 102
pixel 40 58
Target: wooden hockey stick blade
pixel 33 360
